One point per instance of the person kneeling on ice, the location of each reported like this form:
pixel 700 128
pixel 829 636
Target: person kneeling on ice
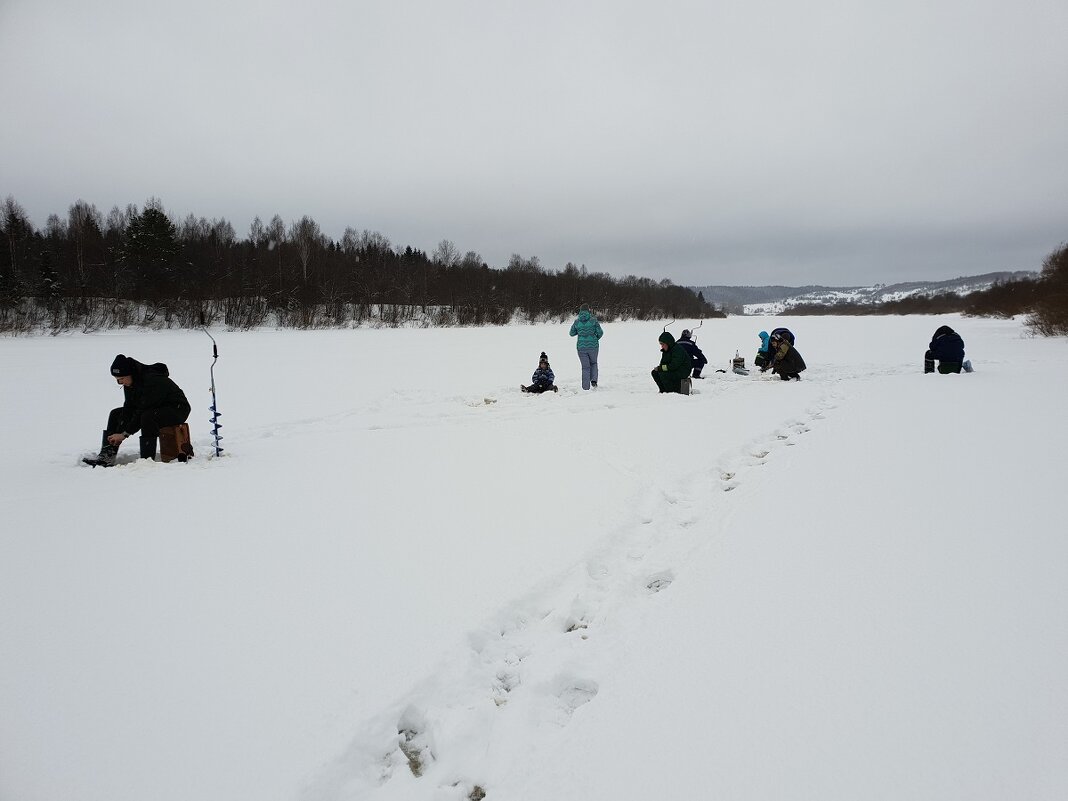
pixel 674 365
pixel 947 348
pixel 697 359
pixel 543 378
pixel 151 401
pixel 763 357
pixel 786 362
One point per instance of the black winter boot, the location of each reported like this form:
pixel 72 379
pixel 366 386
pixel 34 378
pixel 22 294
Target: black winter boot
pixel 107 455
pixel 148 447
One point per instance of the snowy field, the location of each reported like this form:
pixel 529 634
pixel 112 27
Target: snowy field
pixel 850 587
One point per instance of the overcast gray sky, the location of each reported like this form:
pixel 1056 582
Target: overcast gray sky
pixel 740 142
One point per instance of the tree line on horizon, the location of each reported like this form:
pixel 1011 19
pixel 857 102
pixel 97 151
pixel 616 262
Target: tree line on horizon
pixel 1044 298
pixel 140 267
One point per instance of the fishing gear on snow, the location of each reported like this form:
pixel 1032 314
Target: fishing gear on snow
pixel 214 408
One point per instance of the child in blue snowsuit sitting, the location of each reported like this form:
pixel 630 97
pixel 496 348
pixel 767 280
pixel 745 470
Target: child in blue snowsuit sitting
pixel 543 378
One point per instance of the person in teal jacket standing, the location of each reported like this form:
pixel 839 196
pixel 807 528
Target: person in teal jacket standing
pixel 589 334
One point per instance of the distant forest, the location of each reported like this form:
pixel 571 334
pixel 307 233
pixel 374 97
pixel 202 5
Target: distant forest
pixel 1044 298
pixel 139 267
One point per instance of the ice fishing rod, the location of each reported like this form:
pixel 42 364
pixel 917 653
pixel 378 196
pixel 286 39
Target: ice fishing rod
pixel 215 413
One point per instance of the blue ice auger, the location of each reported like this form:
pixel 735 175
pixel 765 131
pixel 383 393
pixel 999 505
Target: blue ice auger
pixel 215 413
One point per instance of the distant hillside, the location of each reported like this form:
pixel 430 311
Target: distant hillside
pixel 777 299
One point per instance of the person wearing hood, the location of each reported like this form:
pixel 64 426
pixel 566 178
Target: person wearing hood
pixel 674 365
pixel 589 333
pixel 151 400
pixel 786 361
pixel 763 357
pixel 947 348
pixel 697 359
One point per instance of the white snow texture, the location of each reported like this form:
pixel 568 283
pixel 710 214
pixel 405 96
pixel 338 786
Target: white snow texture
pixel 407 580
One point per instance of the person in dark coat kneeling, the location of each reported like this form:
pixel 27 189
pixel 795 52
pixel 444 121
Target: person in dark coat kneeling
pixel 674 365
pixel 947 348
pixel 697 359
pixel 151 401
pixel 786 362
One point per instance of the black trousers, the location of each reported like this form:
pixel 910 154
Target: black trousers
pixel 943 367
pixel 152 420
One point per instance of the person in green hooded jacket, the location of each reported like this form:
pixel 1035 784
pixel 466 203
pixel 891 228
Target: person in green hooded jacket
pixel 675 365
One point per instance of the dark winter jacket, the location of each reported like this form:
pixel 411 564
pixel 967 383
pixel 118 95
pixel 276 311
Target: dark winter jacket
pixel 697 359
pixel 787 360
pixel 947 346
pixel 151 389
pixel 543 378
pixel 674 365
pixel 588 331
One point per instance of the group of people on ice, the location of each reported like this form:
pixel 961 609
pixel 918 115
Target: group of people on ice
pixel 681 359
pixel 588 332
pixel 156 408
pixel 778 354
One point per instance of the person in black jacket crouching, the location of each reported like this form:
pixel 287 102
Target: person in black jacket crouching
pixel 151 401
pixel 786 362
pixel 697 358
pixel 947 348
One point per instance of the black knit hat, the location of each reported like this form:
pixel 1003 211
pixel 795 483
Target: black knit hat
pixel 123 365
